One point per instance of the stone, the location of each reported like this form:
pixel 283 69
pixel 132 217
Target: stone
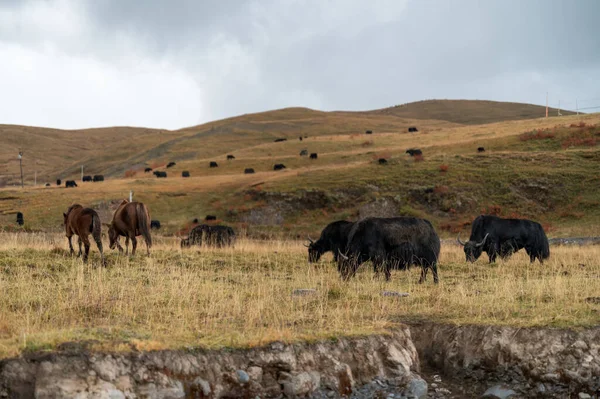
pixel 242 376
pixel 304 292
pixel 394 293
pixel 255 373
pixel 301 384
pixel 416 388
pixel 583 395
pixel 202 386
pixel 499 392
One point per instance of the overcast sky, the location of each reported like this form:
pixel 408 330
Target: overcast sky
pixel 171 64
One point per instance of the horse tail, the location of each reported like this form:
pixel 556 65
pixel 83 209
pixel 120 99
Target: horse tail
pixel 96 230
pixel 143 218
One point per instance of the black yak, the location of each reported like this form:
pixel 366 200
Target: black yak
pixel 333 238
pixel 218 236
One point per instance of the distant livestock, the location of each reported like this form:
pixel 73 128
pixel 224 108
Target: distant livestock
pixel 382 161
pixel 213 164
pixel 369 132
pixel 280 140
pixel 230 157
pixel 98 178
pixel 58 182
pixel 160 174
pixel 391 243
pixel 314 155
pixel 497 236
pixel 131 219
pixel 155 224
pixel 278 166
pixel 185 173
pixel 218 236
pixel 210 217
pixel 414 151
pixel 300 138
pixel 303 153
pixel 248 171
pixel 82 222
pixel 86 178
pixel 195 221
pixel 20 220
pixel 147 170
pixel 47 184
pixel 170 164
pixel 70 183
pixel 480 149
pixel 413 129
pixel 333 238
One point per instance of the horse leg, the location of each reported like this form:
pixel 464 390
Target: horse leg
pixel 79 242
pixel 147 247
pixel 127 245
pixel 133 245
pixel 86 243
pixel 71 245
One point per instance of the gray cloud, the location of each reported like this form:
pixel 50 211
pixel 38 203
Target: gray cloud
pixel 184 62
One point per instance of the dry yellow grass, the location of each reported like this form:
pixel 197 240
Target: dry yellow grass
pixel 242 296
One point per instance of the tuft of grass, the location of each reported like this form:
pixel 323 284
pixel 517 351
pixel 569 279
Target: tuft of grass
pixel 242 296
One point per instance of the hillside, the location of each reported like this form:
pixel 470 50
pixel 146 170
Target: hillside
pixel 544 169
pixel 113 151
pixel 469 112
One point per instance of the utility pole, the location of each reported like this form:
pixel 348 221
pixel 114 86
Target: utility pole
pixel 130 196
pixel 559 114
pixel 81 172
pixel 21 166
pixel 546 104
pixel 35 175
pixel 576 107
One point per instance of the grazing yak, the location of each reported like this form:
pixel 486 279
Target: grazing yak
pixel 230 157
pixel 413 129
pixel 58 182
pixel 20 220
pixel 391 243
pixel 303 153
pixel 480 149
pixel 219 236
pixel 185 173
pixel 279 140
pixel 213 164
pixel 497 236
pixel 278 166
pixel 210 217
pixel 382 161
pixel 155 224
pixel 147 170
pixel 47 184
pixel 159 174
pixel 300 138
pixel 333 238
pixel 86 178
pixel 98 178
pixel 414 151
pixel 248 171
pixel 369 132
pixel 70 183
pixel 170 164
pixel 314 155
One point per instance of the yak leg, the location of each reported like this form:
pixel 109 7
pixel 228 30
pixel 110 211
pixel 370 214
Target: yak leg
pixel 71 245
pixel 423 275
pixel 434 271
pixel 493 252
pixel 79 242
pixel 133 245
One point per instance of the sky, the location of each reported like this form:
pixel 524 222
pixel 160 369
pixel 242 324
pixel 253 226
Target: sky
pixel 170 64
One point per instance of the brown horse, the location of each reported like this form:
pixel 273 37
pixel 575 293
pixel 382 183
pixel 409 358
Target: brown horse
pixel 131 219
pixel 83 221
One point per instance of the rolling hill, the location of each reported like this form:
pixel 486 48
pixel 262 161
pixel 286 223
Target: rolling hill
pixel 544 169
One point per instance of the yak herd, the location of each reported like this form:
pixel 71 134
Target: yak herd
pixel 389 243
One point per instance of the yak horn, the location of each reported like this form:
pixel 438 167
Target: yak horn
pixel 342 255
pixel 310 239
pixel 482 241
pixel 307 246
pixel 459 241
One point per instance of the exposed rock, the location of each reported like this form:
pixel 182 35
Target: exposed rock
pixel 499 392
pixel 583 395
pixel 304 292
pixel 242 377
pixel 416 388
pixel 394 293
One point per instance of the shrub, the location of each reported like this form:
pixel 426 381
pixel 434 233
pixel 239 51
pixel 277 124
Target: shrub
pixel 441 189
pixel 443 168
pixel 418 158
pixel 536 135
pixel 367 143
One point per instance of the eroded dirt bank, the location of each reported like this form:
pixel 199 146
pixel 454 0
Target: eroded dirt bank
pixel 531 362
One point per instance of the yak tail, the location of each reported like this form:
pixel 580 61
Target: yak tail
pixel 96 230
pixel 542 244
pixel 143 218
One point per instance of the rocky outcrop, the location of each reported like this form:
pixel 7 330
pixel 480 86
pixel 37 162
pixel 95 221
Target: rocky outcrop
pixel 333 368
pixel 532 361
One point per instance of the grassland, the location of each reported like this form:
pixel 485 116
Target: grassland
pixel 242 296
